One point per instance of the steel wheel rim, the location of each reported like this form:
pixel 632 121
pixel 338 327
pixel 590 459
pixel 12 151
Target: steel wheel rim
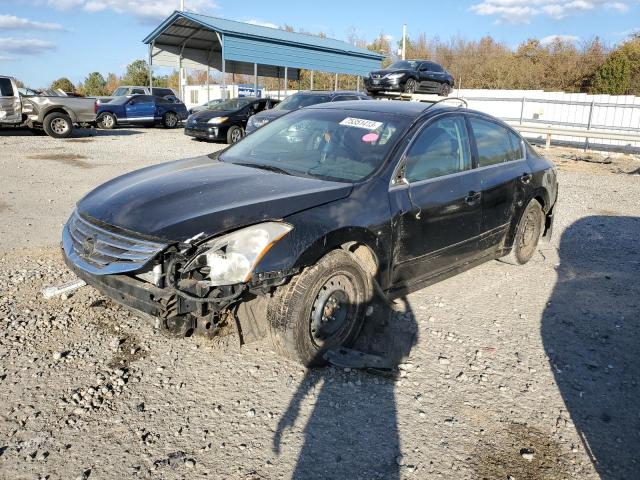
pixel 530 234
pixel 171 120
pixel 59 126
pixel 236 135
pixel 107 121
pixel 411 86
pixel 332 309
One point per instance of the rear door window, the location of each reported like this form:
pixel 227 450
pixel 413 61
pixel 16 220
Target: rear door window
pixel 162 92
pixel 138 91
pixel 494 143
pixel 344 98
pixel 6 89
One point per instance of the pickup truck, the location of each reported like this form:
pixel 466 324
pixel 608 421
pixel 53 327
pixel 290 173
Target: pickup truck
pixel 56 115
pixel 129 90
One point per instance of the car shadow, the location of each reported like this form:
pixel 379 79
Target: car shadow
pixel 352 430
pixel 591 335
pixel 77 133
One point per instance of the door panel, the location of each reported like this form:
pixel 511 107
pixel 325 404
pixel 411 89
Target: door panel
pixel 10 105
pixel 437 216
pixel 501 165
pixel 142 110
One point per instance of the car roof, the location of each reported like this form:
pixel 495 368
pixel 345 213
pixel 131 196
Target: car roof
pixel 411 109
pixel 330 92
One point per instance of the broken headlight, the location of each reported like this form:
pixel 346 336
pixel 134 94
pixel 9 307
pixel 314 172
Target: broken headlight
pixel 231 258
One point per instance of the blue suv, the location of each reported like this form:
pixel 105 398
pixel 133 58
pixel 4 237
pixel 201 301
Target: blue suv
pixel 145 110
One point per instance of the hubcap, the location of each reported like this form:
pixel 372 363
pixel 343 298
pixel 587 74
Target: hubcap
pixel 171 120
pixel 332 311
pixel 107 121
pixel 59 126
pixel 236 135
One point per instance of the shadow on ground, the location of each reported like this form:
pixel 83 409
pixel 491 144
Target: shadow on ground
pixel 591 333
pixel 78 133
pixel 352 431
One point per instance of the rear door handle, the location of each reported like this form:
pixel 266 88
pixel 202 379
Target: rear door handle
pixel 473 198
pixel 526 178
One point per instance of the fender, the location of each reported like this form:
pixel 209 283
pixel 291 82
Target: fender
pixel 57 108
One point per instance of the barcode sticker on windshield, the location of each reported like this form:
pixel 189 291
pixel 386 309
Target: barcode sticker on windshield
pixel 361 123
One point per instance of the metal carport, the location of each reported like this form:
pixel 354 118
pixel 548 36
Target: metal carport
pixel 190 40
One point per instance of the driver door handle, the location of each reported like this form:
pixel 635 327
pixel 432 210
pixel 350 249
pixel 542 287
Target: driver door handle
pixel 473 198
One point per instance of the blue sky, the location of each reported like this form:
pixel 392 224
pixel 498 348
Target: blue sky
pixel 41 40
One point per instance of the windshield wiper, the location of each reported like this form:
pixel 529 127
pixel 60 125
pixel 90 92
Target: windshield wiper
pixel 271 168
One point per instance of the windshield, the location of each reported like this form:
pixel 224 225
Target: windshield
pixel 231 104
pixel 404 64
pixel 300 100
pixel 120 91
pixel 339 145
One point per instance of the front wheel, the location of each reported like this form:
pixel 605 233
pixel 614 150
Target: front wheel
pixel 107 121
pixel 527 235
pixel 445 90
pixel 58 125
pixel 234 134
pixel 321 308
pixel 170 120
pixel 410 86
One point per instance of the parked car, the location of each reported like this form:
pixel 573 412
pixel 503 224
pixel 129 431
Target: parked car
pixel 226 121
pixel 145 110
pixel 410 76
pixel 128 90
pixel 293 237
pixel 205 106
pixel 300 100
pixel 55 114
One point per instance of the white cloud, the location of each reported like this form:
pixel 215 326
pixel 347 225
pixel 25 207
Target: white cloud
pixel 11 22
pixel 521 11
pixel 254 21
pixel 151 10
pixel 25 46
pixel 4 58
pixel 563 38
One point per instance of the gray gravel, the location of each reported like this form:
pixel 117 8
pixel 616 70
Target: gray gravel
pixel 505 372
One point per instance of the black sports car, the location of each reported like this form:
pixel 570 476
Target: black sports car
pixel 226 121
pixel 410 76
pixel 293 229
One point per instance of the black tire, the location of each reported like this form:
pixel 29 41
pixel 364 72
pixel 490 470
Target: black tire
pixel 170 120
pixel 234 134
pixel 58 125
pixel 321 308
pixel 107 121
pixel 445 90
pixel 528 233
pixel 411 86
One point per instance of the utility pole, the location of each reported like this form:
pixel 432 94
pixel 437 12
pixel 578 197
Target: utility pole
pixel 182 5
pixel 404 41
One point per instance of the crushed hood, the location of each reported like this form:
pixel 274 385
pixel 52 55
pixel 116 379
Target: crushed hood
pixel 176 201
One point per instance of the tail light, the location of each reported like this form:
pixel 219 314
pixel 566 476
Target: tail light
pixel 95 107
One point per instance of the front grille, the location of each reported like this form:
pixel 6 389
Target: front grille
pixel 100 250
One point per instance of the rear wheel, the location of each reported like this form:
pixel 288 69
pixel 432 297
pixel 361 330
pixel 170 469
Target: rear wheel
pixel 107 121
pixel 170 120
pixel 445 90
pixel 527 235
pixel 234 134
pixel 410 86
pixel 321 308
pixel 58 125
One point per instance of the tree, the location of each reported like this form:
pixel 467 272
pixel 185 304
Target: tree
pixel 137 73
pixel 112 83
pixel 95 85
pixel 63 84
pixel 614 77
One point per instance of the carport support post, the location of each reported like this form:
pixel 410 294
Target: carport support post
pixel 286 81
pixel 358 83
pixel 311 86
pixel 524 101
pixel 586 140
pixel 335 86
pixel 151 66
pixel 255 79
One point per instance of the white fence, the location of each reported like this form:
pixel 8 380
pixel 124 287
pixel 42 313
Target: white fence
pixel 605 113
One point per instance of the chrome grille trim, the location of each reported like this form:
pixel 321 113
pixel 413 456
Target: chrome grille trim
pixel 101 251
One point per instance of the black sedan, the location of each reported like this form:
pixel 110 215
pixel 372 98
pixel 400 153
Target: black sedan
pixel 301 100
pixel 291 231
pixel 226 121
pixel 410 76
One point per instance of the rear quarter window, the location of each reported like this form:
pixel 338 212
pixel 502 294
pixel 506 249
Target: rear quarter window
pixel 6 89
pixel 494 143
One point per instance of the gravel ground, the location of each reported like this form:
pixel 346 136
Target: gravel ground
pixel 506 372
